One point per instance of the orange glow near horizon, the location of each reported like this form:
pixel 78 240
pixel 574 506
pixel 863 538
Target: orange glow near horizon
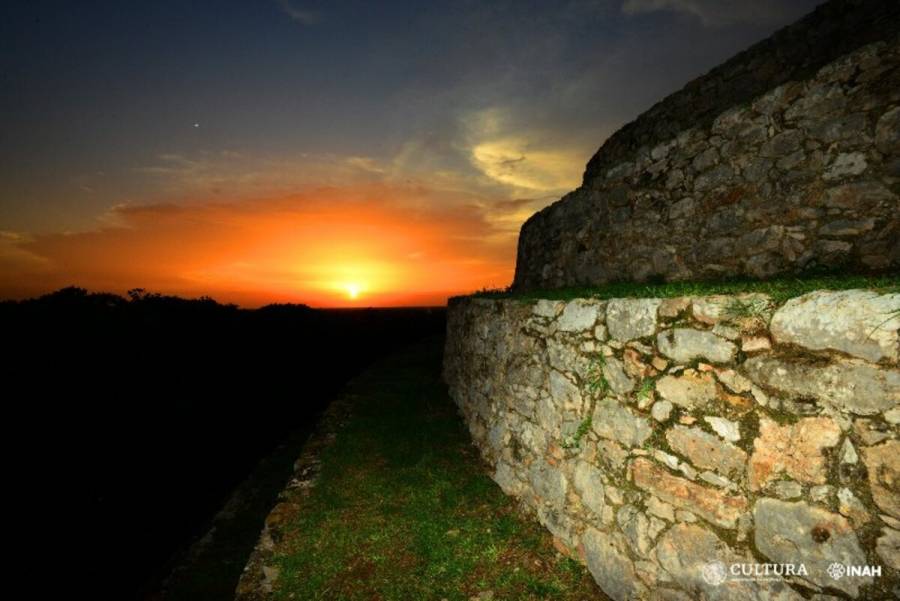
pixel 380 246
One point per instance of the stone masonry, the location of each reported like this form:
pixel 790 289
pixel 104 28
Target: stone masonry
pixel 782 160
pixel 661 439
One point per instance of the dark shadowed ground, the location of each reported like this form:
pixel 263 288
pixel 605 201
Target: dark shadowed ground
pixel 130 422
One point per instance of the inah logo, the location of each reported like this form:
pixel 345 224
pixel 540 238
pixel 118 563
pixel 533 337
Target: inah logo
pixel 714 573
pixel 836 571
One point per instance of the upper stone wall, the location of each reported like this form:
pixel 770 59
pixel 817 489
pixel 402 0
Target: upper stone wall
pixel 783 159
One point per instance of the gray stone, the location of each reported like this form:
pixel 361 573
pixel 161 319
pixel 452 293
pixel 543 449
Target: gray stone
pixel 849 385
pixel 888 548
pixel 687 551
pixel 547 308
pixel 850 506
pixel 887 132
pixel 707 451
pixel 787 489
pixel 691 390
pixel 847 227
pixel 635 526
pixel 614 421
pixel 686 344
pixel 548 482
pixel 706 159
pixel 858 322
pixel 608 562
pixel 797 532
pixel 618 380
pixel 784 143
pixel 715 177
pixel 578 316
pixel 565 394
pixel 565 357
pixel 727 429
pixel 630 318
pixel 588 483
pixel 821 493
pixel 505 477
pixel 848 452
pixel 660 509
pixel 846 164
pixel 661 410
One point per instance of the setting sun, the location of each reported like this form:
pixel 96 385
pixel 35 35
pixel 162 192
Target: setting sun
pixel 353 290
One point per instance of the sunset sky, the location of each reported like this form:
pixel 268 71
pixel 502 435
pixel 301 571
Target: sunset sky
pixel 332 153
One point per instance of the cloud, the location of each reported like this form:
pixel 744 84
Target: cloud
pixel 300 15
pixel 717 12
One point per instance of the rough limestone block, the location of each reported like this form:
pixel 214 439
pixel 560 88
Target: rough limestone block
pixel 798 532
pixel 631 318
pixel 858 322
pixel 795 450
pixel 850 385
pixel 685 344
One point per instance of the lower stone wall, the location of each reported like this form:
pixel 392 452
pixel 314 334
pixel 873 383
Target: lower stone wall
pixel 677 445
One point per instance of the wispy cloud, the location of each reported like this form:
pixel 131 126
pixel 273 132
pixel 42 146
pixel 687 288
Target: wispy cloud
pixel 303 16
pixel 719 12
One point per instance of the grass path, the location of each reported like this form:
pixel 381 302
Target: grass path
pixel 403 509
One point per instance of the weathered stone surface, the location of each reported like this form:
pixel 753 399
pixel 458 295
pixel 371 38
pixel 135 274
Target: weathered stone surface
pixel 618 380
pixel 794 450
pixel 525 388
pixel 883 467
pixel 636 528
pixel 727 429
pixel 888 548
pixel 578 316
pixel 549 483
pixel 711 309
pixel 610 566
pixel 686 550
pixel 852 507
pixel 849 385
pixel 706 450
pixel 547 308
pixel 691 390
pixel 673 307
pixel 786 489
pixel 588 483
pixel 887 132
pixel 661 410
pixel 797 532
pixel 711 504
pixel 686 344
pixel 857 322
pixel 505 476
pixel 564 392
pixel 660 509
pixel 630 318
pixel 615 421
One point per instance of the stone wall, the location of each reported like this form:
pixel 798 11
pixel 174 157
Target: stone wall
pixel 784 159
pixel 656 437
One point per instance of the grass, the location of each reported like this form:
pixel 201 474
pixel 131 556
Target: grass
pixel 404 509
pixel 780 289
